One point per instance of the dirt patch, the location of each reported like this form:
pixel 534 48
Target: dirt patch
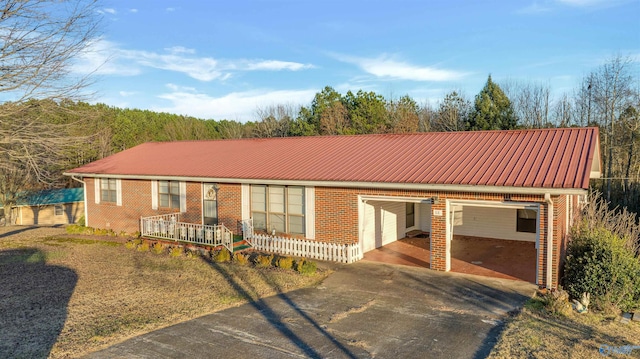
pixel 68 296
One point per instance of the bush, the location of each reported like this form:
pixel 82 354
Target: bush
pixel 157 248
pixel 143 247
pixel 264 261
pixel 176 251
pixel 241 258
pixel 285 262
pixel 602 264
pixel 81 221
pixel 306 267
pixel 221 256
pixel 133 244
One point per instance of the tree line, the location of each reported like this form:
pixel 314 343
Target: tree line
pixel 606 98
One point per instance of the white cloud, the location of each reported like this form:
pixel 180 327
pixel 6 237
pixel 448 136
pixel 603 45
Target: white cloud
pixel 170 9
pixel 108 11
pixel 127 93
pixel 133 10
pixel 206 69
pixel 101 57
pixel 180 50
pixel 240 106
pixel 104 57
pixel 386 66
pixel 275 65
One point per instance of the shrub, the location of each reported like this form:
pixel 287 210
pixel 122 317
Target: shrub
pixel 81 221
pixel 143 247
pixel 133 244
pixel 285 262
pixel 264 261
pixel 176 251
pixel 221 256
pixel 306 267
pixel 157 248
pixel 602 264
pixel 241 258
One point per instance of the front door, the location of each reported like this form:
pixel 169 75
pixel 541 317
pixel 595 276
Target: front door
pixel 210 205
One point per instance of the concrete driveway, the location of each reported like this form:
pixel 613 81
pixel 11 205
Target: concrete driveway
pixel 363 310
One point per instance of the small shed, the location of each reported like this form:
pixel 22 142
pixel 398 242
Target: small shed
pixel 54 206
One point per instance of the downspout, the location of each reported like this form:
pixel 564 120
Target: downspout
pixel 549 202
pixel 86 206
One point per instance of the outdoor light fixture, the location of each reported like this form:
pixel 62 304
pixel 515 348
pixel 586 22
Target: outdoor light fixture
pixel 435 200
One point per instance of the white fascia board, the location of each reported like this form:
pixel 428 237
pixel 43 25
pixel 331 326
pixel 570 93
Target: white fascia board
pixel 339 184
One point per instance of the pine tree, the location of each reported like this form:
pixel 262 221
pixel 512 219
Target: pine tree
pixel 492 110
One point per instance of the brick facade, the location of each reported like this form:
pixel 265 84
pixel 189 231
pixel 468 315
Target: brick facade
pixel 336 214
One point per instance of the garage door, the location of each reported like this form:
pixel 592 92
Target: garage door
pixel 381 223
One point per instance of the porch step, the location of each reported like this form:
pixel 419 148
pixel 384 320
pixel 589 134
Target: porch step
pixel 240 244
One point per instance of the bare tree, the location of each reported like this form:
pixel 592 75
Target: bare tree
pixel 613 92
pixel 334 119
pixel 274 121
pixel 531 102
pixel 39 40
pixel 403 115
pixel 452 113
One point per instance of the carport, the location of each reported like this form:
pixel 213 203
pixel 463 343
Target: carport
pixel 386 219
pixel 489 238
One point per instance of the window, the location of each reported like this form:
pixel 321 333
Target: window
pixel 278 208
pixel 169 194
pixel 526 221
pixel 109 190
pixel 58 210
pixel 411 214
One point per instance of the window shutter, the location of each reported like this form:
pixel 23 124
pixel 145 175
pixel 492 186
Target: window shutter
pixel 119 192
pixel 96 185
pixel 183 197
pixel 246 201
pixel 154 194
pixel 310 212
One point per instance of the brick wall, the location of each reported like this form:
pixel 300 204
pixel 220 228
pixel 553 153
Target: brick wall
pixel 136 203
pixel 230 206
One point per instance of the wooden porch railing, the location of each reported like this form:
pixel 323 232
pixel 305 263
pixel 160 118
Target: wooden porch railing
pixel 169 227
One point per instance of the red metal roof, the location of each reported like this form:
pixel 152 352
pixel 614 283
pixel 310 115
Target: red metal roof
pixel 548 158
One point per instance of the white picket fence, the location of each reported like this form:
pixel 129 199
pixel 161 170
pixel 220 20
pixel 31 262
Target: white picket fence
pixel 344 253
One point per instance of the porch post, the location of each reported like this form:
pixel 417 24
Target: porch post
pixel 439 254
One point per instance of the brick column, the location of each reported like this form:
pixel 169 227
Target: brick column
pixel 438 260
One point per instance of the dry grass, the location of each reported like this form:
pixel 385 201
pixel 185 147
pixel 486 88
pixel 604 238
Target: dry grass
pixel 64 297
pixel 535 333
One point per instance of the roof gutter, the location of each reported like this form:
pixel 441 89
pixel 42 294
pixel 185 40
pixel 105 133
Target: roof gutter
pixel 84 187
pixel 349 184
pixel 549 202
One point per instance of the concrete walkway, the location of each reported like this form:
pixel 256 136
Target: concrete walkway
pixel 363 310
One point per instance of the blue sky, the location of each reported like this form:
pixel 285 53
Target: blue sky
pixel 224 59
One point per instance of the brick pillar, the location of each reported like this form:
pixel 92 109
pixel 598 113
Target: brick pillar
pixel 438 260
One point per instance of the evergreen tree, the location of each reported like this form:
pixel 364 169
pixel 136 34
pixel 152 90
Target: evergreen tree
pixel 492 110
